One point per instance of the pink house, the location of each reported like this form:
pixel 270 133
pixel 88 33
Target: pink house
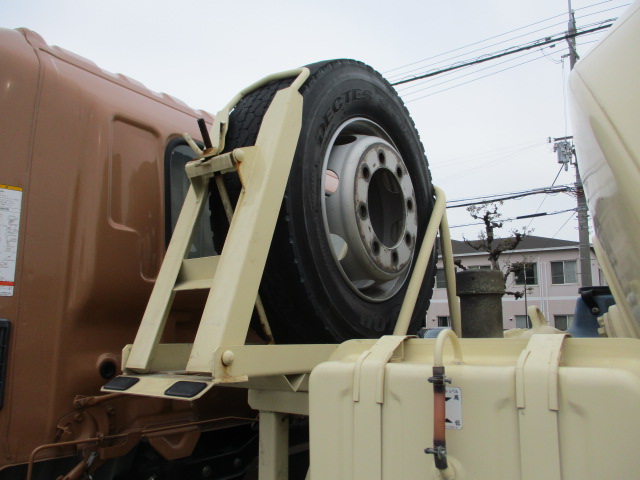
pixel 551 277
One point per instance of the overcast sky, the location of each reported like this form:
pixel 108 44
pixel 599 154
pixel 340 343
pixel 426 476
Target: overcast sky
pixel 484 128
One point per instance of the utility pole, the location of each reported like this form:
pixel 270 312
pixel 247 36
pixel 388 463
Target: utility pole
pixel 583 211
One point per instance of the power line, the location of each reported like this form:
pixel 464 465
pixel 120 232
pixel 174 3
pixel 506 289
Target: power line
pixel 514 218
pixel 473 79
pixel 552 184
pixel 563 225
pixel 535 44
pixel 473 44
pixel 540 206
pixel 403 91
pixel 508 156
pixel 484 197
pixel 387 72
pixel 600 11
pixel 449 59
pixel 504 150
pixel 538 191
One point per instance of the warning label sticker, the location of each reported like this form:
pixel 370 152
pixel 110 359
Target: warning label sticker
pixel 453 406
pixel 10 204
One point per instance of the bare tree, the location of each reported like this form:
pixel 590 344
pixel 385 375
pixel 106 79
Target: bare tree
pixel 490 215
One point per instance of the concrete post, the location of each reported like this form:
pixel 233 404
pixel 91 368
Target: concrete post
pixel 480 293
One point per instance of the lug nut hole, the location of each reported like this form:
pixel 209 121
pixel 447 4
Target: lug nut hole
pixel 409 204
pixel 376 247
pixel 362 211
pixel 407 239
pixel 394 257
pixel 381 157
pixel 366 173
pixel 399 172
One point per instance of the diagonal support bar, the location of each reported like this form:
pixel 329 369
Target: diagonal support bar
pixel 264 171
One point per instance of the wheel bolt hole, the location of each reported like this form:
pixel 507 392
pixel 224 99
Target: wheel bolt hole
pixel 394 257
pixel 381 157
pixel 376 247
pixel 407 239
pixel 409 204
pixel 366 173
pixel 362 211
pixel 399 172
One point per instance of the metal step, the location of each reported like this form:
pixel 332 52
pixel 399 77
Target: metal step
pixel 196 273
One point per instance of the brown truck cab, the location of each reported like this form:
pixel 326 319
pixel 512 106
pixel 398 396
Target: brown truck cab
pixel 91 181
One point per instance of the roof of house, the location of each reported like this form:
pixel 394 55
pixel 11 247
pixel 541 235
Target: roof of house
pixel 530 242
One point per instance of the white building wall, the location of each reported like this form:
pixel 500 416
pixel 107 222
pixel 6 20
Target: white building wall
pixel 552 299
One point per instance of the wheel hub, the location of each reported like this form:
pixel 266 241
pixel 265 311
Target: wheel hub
pixel 370 214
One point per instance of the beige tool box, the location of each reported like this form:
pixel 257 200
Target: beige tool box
pixel 547 408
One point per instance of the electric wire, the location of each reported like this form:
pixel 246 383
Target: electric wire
pixel 563 225
pixel 471 44
pixel 472 80
pixel 516 196
pixel 510 51
pixel 548 37
pixel 477 78
pixel 474 157
pixel 431 84
pixel 450 59
pixel 601 11
pixel 471 171
pixel 513 219
pixel 484 197
pixel 410 100
pixel 387 72
pixel 540 206
pixel 405 90
pixel 544 198
pixel 429 81
pixel 541 50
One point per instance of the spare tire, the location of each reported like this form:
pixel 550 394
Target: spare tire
pixel 356 206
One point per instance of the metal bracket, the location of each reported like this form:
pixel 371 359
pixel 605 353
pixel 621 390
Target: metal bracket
pixel 440 454
pixel 537 402
pixel 437 223
pixel 368 397
pixel 439 380
pixel 235 275
pixel 218 354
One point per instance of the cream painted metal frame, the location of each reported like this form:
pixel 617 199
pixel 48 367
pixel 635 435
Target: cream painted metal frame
pixel 219 354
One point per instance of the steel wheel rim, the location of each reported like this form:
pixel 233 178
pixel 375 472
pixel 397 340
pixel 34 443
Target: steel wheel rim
pixel 369 210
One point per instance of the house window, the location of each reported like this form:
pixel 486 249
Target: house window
pixel 479 267
pixel 563 272
pixel 177 184
pixel 522 321
pixel 562 322
pixel 441 281
pixel 444 321
pixel 528 275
